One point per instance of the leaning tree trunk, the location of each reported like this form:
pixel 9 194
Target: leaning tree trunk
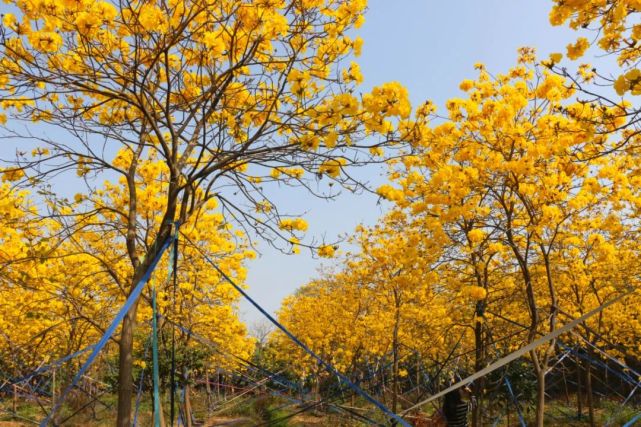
pixel 126 354
pixel 126 345
pixel 543 363
pixel 125 368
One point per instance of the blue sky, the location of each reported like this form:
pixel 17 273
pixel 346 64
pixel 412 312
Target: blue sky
pixel 429 46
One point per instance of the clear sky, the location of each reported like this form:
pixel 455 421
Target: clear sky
pixel 429 46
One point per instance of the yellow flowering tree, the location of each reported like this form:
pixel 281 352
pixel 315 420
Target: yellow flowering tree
pixel 507 178
pixel 37 325
pixel 381 306
pixel 515 214
pixel 66 285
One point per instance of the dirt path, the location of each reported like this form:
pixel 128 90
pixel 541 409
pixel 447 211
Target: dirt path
pixel 228 421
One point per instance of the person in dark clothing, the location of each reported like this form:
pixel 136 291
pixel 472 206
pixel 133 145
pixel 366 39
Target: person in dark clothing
pixel 455 409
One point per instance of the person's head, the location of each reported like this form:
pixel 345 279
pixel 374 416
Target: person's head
pixel 453 397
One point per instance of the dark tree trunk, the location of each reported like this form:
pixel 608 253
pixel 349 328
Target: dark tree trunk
pixel 477 386
pixel 126 344
pixel 207 388
pixel 588 389
pixel 395 345
pixel 565 387
pixel 579 390
pixel 540 398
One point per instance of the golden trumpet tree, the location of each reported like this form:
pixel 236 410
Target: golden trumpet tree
pixel 517 208
pixel 509 175
pixel 204 302
pixel 616 33
pixel 383 304
pixel 40 319
pixel 308 314
pixel 231 95
pixel 65 289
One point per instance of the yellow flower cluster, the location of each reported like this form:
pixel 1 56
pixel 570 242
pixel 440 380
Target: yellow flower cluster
pixel 293 224
pixel 577 49
pixel 630 81
pixel 390 193
pixel 12 174
pixel 332 167
pixel 326 251
pixel 475 292
pixel 45 41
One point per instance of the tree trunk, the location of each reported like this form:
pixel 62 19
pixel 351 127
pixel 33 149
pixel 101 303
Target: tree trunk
pixel 579 403
pixel 316 389
pixel 161 415
pixel 218 380
pixel 187 407
pixel 477 386
pixel 588 389
pixel 507 409
pixel 53 389
pixel 565 386
pixel 540 397
pixel 395 345
pixel 125 368
pixel 126 344
pixel 14 405
pixel 418 371
pixel 207 387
